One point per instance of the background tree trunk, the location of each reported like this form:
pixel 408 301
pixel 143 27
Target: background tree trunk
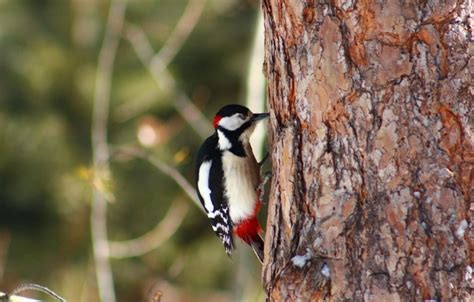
pixel 372 150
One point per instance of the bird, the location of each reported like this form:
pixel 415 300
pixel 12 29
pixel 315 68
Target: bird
pixel 227 178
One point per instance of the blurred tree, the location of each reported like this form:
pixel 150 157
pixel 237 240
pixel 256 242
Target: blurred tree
pixel 372 153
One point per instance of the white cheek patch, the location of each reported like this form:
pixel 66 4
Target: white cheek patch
pixel 232 122
pixel 224 143
pixel 203 185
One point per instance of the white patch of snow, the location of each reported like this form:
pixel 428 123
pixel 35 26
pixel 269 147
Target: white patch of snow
pixel 325 271
pixel 325 10
pixel 318 241
pixel 468 274
pixel 462 227
pixel 346 4
pixel 300 260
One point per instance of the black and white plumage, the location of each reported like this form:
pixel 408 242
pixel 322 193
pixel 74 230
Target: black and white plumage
pixel 227 178
pixel 209 175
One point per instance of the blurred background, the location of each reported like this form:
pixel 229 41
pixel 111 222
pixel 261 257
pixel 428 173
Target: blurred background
pixel 103 105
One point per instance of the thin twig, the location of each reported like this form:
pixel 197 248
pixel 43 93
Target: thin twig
pixel 157 64
pixel 100 148
pixel 165 169
pixel 168 225
pixel 154 238
pixel 180 34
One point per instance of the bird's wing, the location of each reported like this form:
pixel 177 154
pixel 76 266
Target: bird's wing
pixel 209 182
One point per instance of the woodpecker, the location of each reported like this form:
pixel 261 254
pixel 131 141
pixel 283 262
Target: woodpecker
pixel 228 178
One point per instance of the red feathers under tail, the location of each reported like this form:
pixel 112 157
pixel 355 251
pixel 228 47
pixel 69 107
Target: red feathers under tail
pixel 248 230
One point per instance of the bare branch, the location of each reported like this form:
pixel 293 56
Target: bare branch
pixel 140 43
pixel 100 148
pixel 156 64
pixel 154 238
pixel 180 34
pixel 165 169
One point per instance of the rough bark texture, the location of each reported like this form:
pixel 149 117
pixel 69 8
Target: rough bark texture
pixel 372 150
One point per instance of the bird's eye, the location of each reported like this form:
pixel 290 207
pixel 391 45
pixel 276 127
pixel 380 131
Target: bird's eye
pixel 241 116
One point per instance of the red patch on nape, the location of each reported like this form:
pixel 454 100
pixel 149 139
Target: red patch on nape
pixel 248 229
pixel 217 118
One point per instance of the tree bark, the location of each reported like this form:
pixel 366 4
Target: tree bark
pixel 372 150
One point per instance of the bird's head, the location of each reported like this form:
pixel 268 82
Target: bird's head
pixel 235 123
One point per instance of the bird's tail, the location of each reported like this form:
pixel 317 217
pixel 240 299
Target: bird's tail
pixel 257 245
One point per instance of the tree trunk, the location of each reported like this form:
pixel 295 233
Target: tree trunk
pixel 372 150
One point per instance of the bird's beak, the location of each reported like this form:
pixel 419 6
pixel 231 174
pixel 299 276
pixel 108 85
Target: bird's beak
pixel 259 116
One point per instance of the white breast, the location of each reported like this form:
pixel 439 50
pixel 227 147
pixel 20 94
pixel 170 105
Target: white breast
pixel 242 179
